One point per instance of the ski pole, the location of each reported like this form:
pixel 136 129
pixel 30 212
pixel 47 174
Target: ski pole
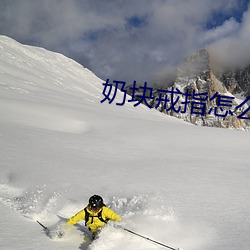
pixel 45 228
pixel 146 238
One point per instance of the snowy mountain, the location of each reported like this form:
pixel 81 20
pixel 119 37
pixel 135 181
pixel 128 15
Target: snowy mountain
pixel 182 185
pixel 237 81
pixel 207 95
pixel 199 74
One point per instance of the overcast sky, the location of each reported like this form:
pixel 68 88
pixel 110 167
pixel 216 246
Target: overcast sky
pixel 131 40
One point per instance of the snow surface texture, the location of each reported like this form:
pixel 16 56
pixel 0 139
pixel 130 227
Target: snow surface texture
pixel 179 184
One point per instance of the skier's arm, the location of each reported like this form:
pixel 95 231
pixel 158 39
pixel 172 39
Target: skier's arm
pixel 77 217
pixel 110 214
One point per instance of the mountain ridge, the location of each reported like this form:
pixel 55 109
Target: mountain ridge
pixel 198 74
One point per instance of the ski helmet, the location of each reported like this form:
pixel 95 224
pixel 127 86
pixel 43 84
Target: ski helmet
pixel 95 202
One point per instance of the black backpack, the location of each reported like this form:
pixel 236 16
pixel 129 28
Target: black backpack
pixel 88 216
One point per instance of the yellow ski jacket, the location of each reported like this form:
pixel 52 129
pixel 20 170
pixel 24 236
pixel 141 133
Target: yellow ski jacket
pixel 94 223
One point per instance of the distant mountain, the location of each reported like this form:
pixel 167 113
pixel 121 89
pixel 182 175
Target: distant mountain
pixel 237 81
pixel 207 96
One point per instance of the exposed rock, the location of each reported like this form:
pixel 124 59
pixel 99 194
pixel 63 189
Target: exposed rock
pixel 208 91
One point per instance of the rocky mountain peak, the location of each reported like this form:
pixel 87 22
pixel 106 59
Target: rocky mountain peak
pixel 197 64
pixel 202 93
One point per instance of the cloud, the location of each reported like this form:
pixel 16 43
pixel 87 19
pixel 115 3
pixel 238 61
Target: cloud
pixel 232 50
pixel 123 40
pixel 228 28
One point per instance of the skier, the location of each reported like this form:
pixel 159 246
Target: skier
pixel 95 214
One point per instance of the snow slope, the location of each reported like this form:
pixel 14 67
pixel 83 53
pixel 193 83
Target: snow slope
pixel 176 183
